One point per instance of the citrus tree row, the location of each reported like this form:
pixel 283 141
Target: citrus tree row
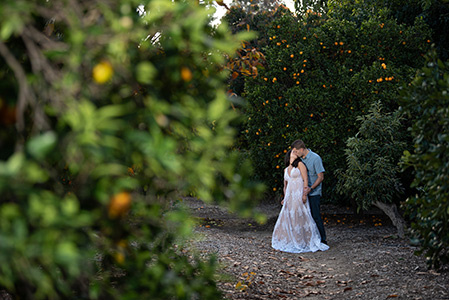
pixel 321 73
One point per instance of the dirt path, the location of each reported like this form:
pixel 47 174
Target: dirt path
pixel 365 260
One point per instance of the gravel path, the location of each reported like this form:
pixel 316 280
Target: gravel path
pixel 365 259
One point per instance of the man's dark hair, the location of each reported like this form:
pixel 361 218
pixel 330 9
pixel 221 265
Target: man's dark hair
pixel 298 144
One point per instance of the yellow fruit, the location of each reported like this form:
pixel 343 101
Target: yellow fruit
pixel 119 257
pixel 119 205
pixel 102 72
pixel 186 74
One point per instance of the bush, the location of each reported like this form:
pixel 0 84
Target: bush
pixel 372 172
pixel 372 158
pixel 322 73
pixel 426 103
pixel 107 118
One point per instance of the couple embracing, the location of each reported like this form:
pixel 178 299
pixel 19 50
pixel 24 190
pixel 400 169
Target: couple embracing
pixel 299 227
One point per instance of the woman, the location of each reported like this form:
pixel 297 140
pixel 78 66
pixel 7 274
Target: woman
pixel 295 230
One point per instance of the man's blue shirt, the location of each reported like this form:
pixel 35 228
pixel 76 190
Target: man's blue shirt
pixel 314 166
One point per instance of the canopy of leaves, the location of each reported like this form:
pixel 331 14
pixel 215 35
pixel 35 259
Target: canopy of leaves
pixel 435 13
pixel 372 171
pixel 321 73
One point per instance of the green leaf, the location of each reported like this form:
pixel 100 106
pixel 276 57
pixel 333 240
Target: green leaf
pixel 145 72
pixel 15 163
pixel 217 108
pixel 67 254
pixel 10 25
pixel 39 146
pixel 35 173
pixel 111 169
pixel 70 206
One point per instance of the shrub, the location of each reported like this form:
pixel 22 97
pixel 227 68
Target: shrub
pixel 108 117
pixel 426 103
pixel 371 175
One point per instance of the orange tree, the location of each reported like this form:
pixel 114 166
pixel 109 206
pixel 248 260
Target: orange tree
pixel 245 16
pixel 108 117
pixel 321 73
pixel 248 59
pixel 435 13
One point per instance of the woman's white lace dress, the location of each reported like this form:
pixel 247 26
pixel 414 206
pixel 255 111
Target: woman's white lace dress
pixel 295 230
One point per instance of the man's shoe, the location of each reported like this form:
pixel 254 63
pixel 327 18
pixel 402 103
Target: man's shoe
pixel 324 242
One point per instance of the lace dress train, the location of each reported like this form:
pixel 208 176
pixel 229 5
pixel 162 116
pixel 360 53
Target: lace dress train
pixel 295 230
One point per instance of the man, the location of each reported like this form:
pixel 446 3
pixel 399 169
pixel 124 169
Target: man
pixel 315 174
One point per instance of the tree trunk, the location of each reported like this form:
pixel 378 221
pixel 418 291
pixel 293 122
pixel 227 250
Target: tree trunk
pixel 392 212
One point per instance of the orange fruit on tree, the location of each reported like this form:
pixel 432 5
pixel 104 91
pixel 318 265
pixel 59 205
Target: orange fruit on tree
pixel 186 74
pixel 119 205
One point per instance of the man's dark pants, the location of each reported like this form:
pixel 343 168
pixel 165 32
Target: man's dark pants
pixel 314 202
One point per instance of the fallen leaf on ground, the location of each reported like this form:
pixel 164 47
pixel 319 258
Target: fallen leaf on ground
pixel 310 283
pixel 312 293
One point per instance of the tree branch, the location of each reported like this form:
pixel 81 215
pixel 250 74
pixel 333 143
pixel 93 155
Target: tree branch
pixel 26 96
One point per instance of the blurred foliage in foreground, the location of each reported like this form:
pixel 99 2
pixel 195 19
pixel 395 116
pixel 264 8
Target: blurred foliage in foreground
pixel 107 116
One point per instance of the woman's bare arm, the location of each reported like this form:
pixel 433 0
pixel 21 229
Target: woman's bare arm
pixel 303 170
pixel 285 186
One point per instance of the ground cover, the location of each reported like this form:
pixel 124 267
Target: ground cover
pixel 365 260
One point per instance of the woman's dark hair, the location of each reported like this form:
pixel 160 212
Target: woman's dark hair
pixel 296 162
pixel 287 158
